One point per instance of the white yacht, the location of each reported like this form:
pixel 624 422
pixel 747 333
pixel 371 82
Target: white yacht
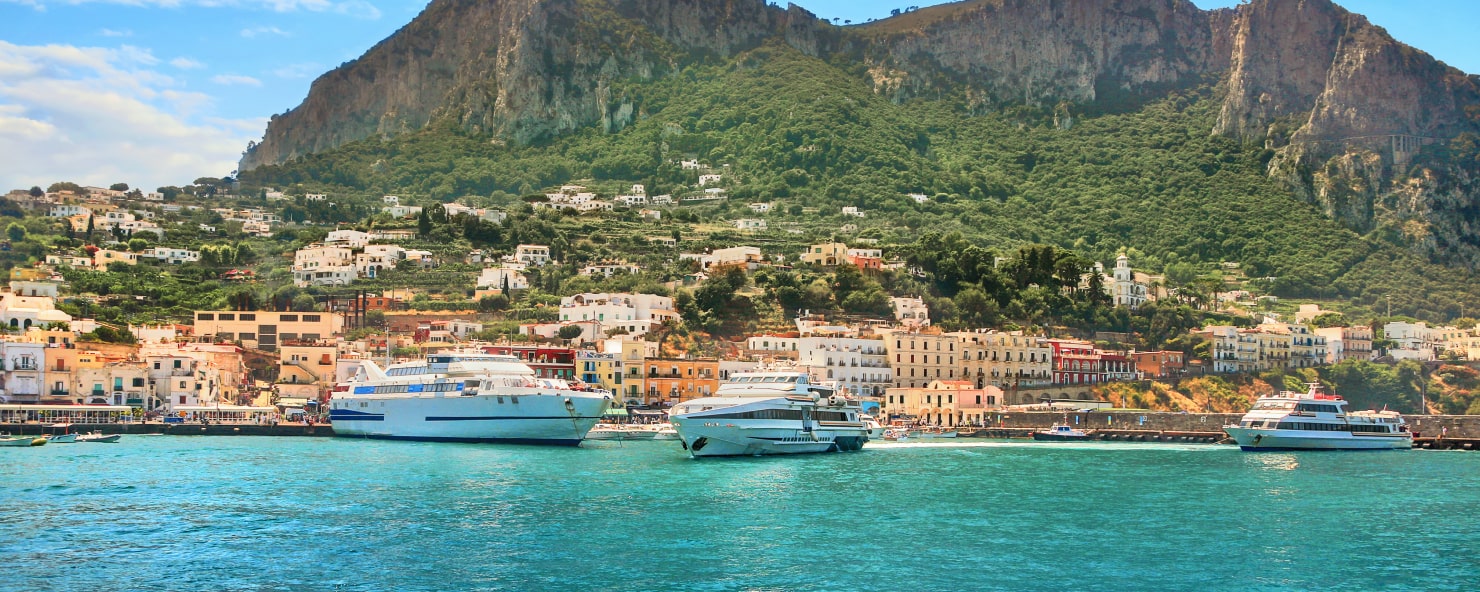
pixel 769 413
pixel 1314 420
pixel 875 429
pixel 464 397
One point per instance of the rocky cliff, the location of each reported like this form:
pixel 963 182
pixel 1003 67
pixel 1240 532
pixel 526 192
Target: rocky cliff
pixel 1348 111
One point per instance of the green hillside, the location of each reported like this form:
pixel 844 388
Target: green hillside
pixel 803 133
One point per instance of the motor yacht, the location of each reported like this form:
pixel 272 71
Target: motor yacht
pixel 758 413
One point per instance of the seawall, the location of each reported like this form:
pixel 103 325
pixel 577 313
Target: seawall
pixel 1451 426
pixel 176 429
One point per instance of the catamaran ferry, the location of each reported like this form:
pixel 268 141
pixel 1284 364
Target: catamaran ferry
pixel 769 413
pixel 1314 420
pixel 464 397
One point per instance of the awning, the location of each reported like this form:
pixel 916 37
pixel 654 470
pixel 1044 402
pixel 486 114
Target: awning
pixel 292 401
pixel 617 411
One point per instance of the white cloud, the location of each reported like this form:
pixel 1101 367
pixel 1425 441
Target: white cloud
pixel 99 115
pixel 260 31
pixel 235 80
pixel 112 33
pixel 303 70
pixel 355 8
pixel 185 63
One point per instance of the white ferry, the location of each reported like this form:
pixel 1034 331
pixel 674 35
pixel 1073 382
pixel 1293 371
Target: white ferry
pixel 464 397
pixel 1314 420
pixel 759 413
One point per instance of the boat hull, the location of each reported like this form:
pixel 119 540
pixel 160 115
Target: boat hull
pixel 62 438
pixel 764 437
pixel 1256 439
pixel 99 438
pixel 22 441
pixel 1042 437
pixel 534 419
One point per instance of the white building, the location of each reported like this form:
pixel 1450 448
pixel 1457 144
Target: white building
pixel 1124 288
pixel 760 208
pixel 609 269
pixel 919 197
pixel 747 256
pixel 172 255
pixel 377 258
pixel 352 239
pixel 323 265
pixel 400 211
pixel 708 179
pixel 852 211
pixel 23 312
pixel 536 255
pixel 750 224
pixel 69 210
pixel 634 313
pixel 910 311
pixel 503 278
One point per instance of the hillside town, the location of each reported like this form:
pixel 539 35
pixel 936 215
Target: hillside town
pixel 256 363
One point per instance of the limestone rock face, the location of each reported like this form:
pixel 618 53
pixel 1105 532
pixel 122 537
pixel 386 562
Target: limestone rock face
pixel 1349 111
pixel 1035 52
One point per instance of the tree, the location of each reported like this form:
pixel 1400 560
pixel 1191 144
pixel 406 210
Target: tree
pixel 137 244
pixel 37 191
pixel 118 187
pixel 569 332
pixel 89 227
pixel 15 232
pixel 423 224
pixel 304 303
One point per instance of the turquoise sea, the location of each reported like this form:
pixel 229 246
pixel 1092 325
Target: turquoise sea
pixel 242 513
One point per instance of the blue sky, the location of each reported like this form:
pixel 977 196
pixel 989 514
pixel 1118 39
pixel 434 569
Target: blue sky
pixel 156 92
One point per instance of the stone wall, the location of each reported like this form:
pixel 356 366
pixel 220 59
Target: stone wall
pixel 1459 426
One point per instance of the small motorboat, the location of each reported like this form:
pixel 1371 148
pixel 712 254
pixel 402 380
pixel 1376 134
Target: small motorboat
pixel 99 437
pixel 897 435
pixel 67 436
pixel 22 441
pixel 932 433
pixel 1060 432
pixel 875 429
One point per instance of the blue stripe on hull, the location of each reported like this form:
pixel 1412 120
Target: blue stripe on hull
pixel 528 441
pixel 1299 449
pixel 508 417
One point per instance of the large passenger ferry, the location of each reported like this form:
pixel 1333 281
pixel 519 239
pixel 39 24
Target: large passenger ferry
pixel 1315 420
pixel 464 397
pixel 757 413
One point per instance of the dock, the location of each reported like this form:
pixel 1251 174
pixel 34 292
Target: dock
pixel 1108 435
pixel 1447 443
pixel 178 429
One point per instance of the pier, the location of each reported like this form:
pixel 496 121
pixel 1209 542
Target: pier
pixel 177 429
pixel 1163 436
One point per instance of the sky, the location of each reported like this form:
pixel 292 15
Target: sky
pixel 160 92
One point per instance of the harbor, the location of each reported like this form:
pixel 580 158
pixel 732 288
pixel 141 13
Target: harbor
pixel 364 515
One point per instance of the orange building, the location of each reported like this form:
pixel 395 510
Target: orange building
pixel 1160 364
pixel 668 381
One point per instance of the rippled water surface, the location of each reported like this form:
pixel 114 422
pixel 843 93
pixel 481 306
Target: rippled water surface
pixel 242 513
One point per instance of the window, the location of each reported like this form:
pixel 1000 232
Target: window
pixel 311 318
pixel 177 363
pixel 228 316
pixel 206 316
pixel 287 318
pixel 249 316
pixel 138 382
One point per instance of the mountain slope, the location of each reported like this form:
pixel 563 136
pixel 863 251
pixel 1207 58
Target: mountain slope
pixel 1148 123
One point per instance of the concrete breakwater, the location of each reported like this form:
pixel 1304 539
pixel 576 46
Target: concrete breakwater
pixel 176 429
pixel 1451 426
